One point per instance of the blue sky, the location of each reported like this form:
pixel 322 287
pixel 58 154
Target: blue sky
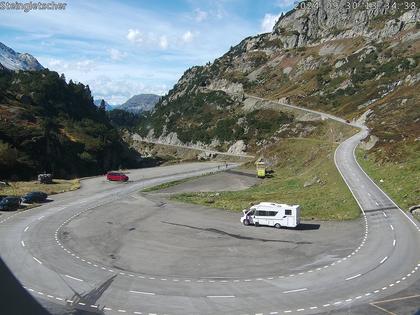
pixel 123 48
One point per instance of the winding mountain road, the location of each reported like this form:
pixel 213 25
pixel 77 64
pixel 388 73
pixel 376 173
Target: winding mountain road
pixel 34 245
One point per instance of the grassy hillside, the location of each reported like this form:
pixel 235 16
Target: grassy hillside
pixel 300 161
pixel 303 173
pixel 400 180
pixel 49 125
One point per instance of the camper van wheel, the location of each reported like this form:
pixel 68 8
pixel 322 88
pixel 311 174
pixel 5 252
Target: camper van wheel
pixel 246 222
pixel 256 224
pixel 277 225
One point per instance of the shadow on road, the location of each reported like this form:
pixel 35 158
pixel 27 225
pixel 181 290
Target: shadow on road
pixel 307 226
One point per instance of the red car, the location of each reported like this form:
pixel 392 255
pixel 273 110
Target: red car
pixel 119 177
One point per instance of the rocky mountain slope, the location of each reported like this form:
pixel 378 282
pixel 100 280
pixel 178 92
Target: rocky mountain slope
pixel 140 103
pixel 12 60
pixel 323 55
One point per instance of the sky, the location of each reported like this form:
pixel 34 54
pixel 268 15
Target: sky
pixel 124 48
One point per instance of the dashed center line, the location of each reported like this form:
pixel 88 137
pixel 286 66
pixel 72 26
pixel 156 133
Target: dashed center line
pixel 77 279
pixel 26 229
pixel 353 277
pixel 220 296
pixel 140 292
pixel 23 243
pixel 297 290
pixel 383 260
pixel 392 228
pixel 37 260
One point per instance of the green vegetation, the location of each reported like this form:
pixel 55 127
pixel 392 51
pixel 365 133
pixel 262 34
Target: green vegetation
pixel 122 119
pixel 201 117
pixel 399 180
pixel 50 125
pixel 301 161
pixel 22 187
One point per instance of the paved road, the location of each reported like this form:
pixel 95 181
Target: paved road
pixel 34 245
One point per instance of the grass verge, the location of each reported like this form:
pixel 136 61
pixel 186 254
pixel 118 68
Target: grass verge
pixel 21 188
pixel 304 174
pixel 400 180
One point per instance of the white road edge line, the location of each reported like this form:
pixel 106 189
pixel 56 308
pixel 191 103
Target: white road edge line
pixel 144 293
pixel 297 290
pixel 77 279
pixel 353 277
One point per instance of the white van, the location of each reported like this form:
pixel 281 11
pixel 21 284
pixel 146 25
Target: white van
pixel 272 214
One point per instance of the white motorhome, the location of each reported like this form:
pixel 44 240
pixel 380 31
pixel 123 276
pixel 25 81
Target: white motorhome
pixel 272 214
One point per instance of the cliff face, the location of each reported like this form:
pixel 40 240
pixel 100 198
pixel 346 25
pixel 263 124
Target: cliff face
pixel 322 55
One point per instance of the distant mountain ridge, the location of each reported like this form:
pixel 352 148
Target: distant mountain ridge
pixel 12 60
pixel 140 103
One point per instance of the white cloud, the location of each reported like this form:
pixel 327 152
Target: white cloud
pixel 61 66
pixel 117 91
pixel 116 54
pixel 268 22
pixel 135 36
pixel 187 37
pixel 200 15
pixel 163 42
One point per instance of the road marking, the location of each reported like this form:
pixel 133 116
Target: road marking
pixel 77 279
pixel 23 243
pixel 297 290
pixel 383 260
pixel 107 309
pixel 392 228
pixel 26 229
pixel 220 296
pixel 394 242
pixel 384 214
pixel 144 293
pixel 300 310
pixel 353 277
pixel 376 203
pixel 41 217
pixel 122 311
pixel 369 195
pixel 37 260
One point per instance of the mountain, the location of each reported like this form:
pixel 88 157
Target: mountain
pixel 320 55
pixel 50 125
pixel 15 61
pixel 140 103
pixel 107 106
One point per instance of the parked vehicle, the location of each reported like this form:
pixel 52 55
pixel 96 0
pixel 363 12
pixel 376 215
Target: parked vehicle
pixel 114 176
pixel 272 214
pixel 9 203
pixel 34 196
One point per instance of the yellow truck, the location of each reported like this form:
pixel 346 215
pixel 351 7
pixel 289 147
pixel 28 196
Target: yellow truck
pixel 261 168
